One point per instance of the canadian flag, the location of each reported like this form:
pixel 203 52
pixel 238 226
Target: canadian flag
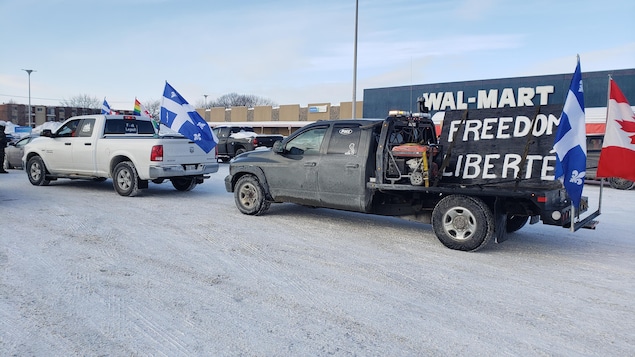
pixel 617 158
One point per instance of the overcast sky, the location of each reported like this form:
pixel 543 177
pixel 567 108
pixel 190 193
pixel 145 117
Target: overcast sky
pixel 295 51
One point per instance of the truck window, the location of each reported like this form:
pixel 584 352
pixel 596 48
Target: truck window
pixel 68 129
pixel 124 126
pixel 344 140
pixel 86 128
pixel 219 132
pixel 307 143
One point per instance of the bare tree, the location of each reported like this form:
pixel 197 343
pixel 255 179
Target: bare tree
pixel 238 100
pixel 154 107
pixel 82 101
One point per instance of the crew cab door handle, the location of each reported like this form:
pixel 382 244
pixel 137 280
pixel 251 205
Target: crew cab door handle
pixel 310 164
pixel 67 144
pixel 352 166
pixel 88 144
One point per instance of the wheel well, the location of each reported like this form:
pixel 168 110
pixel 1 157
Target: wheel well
pixel 259 176
pixel 30 155
pixel 116 160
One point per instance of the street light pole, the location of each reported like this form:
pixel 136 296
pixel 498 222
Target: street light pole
pixel 205 95
pixel 28 71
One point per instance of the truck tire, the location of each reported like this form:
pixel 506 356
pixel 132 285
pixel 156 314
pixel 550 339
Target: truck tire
pixel 515 223
pixel 620 183
pixel 184 183
pixel 36 171
pixel 125 179
pixel 463 223
pixel 240 151
pixel 250 196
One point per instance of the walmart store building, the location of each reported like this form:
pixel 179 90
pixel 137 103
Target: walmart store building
pixel 502 93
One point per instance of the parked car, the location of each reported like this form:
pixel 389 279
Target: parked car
pixel 235 140
pixel 14 152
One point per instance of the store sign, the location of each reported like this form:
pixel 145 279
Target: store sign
pixel 489 98
pixel 318 109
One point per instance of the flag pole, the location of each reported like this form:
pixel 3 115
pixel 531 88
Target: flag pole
pixel 606 119
pixel 573 216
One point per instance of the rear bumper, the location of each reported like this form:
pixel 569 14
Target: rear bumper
pixel 161 171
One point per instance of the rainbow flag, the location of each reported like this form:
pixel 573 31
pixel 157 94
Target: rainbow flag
pixel 139 109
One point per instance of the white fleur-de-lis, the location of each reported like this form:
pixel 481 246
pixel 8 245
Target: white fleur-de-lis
pixel 197 136
pixel 576 177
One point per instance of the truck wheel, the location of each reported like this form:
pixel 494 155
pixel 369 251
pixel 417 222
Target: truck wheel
pixel 250 196
pixel 463 223
pixel 515 223
pixel 125 179
pixel 620 183
pixel 36 171
pixel 184 183
pixel 240 151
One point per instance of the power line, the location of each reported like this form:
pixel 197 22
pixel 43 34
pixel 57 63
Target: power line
pixel 51 99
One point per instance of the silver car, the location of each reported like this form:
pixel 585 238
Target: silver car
pixel 14 151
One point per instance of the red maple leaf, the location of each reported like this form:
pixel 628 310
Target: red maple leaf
pixel 629 127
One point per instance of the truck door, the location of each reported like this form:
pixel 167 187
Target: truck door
pixel 295 179
pixel 341 170
pixel 222 134
pixel 83 148
pixel 59 151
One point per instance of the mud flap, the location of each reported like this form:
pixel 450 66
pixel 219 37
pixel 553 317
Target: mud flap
pixel 500 219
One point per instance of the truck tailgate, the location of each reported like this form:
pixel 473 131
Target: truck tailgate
pixel 184 151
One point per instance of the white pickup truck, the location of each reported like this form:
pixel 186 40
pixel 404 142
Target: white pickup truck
pixel 126 148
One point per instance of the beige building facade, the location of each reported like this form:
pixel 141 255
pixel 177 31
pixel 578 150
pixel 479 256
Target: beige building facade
pixel 279 120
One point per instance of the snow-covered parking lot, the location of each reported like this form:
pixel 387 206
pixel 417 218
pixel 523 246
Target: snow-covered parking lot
pixel 86 272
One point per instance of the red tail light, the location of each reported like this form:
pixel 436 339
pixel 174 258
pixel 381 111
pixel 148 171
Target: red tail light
pixel 157 153
pixel 542 199
pixel 255 141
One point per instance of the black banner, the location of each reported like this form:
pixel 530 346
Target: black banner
pixel 497 146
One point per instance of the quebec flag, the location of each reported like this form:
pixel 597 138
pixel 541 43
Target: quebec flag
pixel 570 143
pixel 105 108
pixel 179 115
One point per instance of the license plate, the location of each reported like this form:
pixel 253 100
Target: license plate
pixel 190 167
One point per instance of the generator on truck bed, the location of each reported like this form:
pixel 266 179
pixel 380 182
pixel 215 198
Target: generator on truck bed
pixel 486 175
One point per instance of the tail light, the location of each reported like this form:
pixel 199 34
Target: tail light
pixel 255 141
pixel 157 153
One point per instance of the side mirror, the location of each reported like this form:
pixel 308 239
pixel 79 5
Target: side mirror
pixel 278 148
pixel 47 133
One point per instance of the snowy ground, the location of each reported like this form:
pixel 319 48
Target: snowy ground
pixel 86 272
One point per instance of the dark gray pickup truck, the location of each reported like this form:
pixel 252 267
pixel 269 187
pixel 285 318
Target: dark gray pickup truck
pixel 487 178
pixel 235 140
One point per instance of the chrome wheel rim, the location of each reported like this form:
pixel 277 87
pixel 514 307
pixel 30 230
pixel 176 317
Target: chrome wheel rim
pixel 459 223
